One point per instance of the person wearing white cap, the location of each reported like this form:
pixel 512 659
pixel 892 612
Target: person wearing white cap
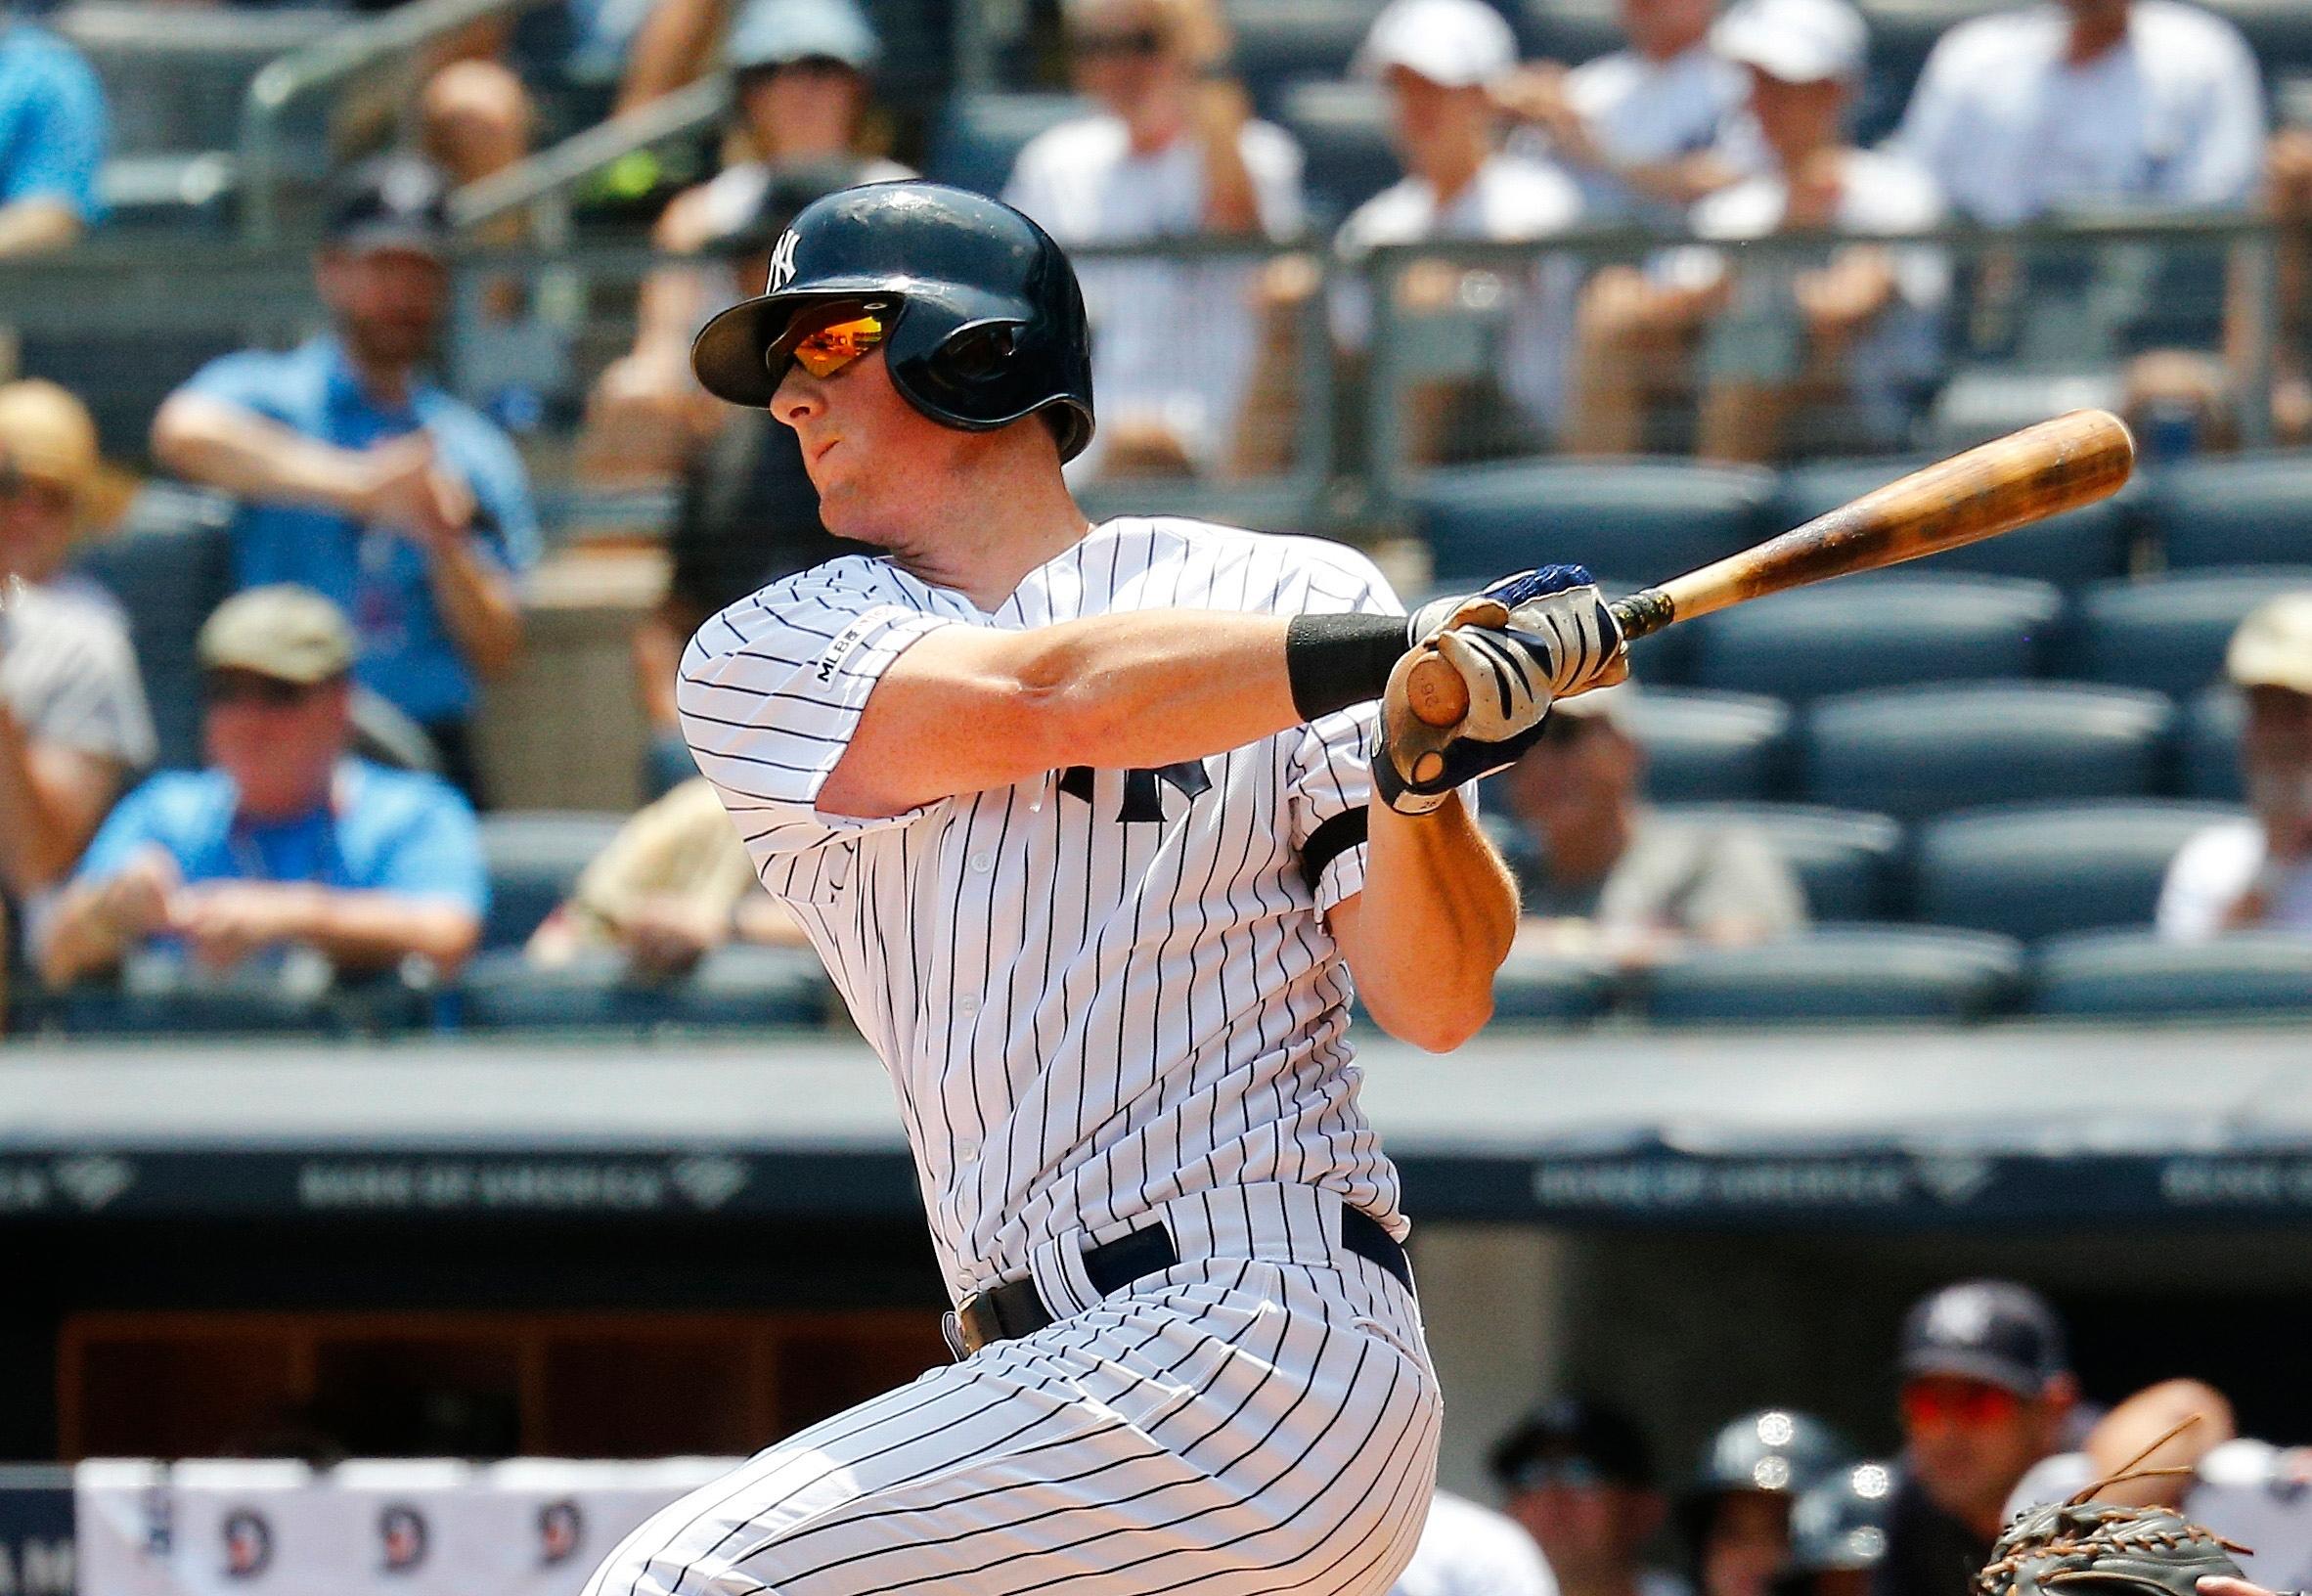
pixel 1646 130
pixel 801 92
pixel 1173 152
pixel 1850 332
pixel 1439 61
pixel 2256 873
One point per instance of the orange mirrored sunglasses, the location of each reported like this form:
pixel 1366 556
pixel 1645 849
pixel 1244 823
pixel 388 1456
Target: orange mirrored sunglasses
pixel 825 350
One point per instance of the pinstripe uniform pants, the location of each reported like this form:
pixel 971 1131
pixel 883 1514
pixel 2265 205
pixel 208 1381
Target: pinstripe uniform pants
pixel 1260 1418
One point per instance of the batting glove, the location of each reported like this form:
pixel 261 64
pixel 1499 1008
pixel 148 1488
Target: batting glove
pixel 1508 676
pixel 1558 606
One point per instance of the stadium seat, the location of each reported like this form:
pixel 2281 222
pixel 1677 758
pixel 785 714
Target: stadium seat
pixel 1536 986
pixel 2085 546
pixel 1344 134
pixel 2034 871
pixel 534 856
pixel 1845 974
pixel 2253 510
pixel 1916 751
pixel 2167 633
pixel 2210 755
pixel 1875 633
pixel 1642 519
pixel 2135 975
pixel 732 987
pixel 1844 860
pixel 979 135
pixel 158 1000
pixel 169 566
pixel 1709 745
pixel 1280 43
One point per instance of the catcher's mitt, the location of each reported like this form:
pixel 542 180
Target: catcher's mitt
pixel 2089 1548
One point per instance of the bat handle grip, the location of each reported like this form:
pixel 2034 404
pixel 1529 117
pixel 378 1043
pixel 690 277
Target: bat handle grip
pixel 1437 697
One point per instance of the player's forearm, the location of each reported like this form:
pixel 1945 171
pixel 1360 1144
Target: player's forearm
pixel 224 446
pixel 1435 920
pixel 967 709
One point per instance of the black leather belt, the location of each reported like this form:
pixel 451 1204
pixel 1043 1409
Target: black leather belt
pixel 1015 1309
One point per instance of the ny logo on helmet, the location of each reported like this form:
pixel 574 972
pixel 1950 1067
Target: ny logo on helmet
pixel 782 261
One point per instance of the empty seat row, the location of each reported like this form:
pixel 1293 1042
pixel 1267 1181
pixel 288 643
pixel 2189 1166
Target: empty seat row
pixel 1848 975
pixel 1913 752
pixel 1649 518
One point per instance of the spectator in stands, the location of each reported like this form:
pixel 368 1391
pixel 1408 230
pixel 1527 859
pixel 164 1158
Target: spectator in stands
pixel 1646 130
pixel 800 98
pixel 673 885
pixel 1439 60
pixel 1173 152
pixel 1599 870
pixel 73 723
pixel 1848 334
pixel 361 480
pixel 2088 104
pixel 1579 1476
pixel 283 841
pixel 52 141
pixel 1986 1392
pixel 2256 873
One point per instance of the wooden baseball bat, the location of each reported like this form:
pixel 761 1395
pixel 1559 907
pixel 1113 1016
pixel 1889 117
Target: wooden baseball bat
pixel 1995 487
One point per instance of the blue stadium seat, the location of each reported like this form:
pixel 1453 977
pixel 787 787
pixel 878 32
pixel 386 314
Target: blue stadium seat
pixel 1283 42
pixel 2212 724
pixel 2135 975
pixel 2085 546
pixel 1709 745
pixel 169 566
pixel 1845 974
pixel 1536 986
pixel 1344 134
pixel 1844 858
pixel 979 135
pixel 732 987
pixel 2168 633
pixel 1875 633
pixel 1643 519
pixel 1916 751
pixel 2253 511
pixel 2034 871
pixel 534 856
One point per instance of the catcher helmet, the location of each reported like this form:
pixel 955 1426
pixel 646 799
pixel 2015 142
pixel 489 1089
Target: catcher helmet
pixel 984 321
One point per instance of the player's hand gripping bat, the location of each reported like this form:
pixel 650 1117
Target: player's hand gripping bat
pixel 2008 482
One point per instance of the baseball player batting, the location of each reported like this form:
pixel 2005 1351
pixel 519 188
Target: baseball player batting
pixel 1080 819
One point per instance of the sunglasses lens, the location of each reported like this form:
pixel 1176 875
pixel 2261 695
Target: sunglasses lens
pixel 828 349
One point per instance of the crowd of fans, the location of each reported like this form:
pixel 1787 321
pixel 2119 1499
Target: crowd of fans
pixel 383 525
pixel 1992 1418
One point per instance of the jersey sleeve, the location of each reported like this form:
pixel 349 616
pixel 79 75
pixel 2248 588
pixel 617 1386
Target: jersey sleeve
pixel 1329 776
pixel 771 691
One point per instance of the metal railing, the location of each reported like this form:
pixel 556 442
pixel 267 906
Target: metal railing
pixel 227 293
pixel 358 48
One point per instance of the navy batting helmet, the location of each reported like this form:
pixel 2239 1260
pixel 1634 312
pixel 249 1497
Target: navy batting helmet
pixel 1839 1524
pixel 984 323
pixel 1776 1450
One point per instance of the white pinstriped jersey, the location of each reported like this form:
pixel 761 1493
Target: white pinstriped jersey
pixel 1094 991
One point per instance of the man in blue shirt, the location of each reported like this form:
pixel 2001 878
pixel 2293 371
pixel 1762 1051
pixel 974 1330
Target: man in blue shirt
pixel 362 481
pixel 52 141
pixel 283 841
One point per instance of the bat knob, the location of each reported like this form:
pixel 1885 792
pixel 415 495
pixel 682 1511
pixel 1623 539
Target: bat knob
pixel 1435 694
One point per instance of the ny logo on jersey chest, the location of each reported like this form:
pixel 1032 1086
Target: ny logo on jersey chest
pixel 1144 798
